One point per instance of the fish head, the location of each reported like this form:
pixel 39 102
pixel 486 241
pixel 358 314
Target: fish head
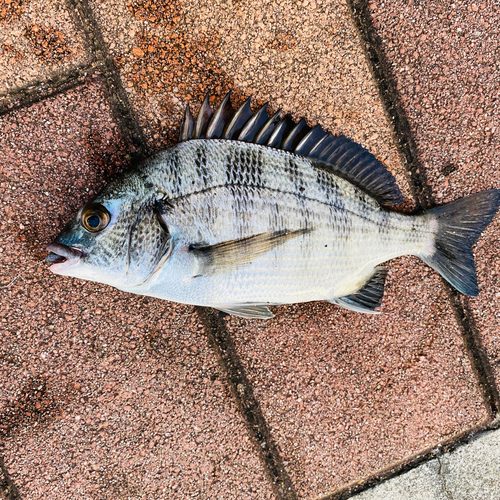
pixel 114 239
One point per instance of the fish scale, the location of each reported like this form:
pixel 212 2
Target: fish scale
pixel 250 210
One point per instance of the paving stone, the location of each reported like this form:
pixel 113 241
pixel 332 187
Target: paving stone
pixel 37 38
pixel 102 394
pixel 302 57
pixel 469 472
pixel 441 54
pixel 347 395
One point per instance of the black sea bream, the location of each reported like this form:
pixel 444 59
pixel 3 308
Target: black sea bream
pixel 250 210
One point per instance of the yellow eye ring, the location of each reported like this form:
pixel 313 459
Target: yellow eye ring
pixel 95 218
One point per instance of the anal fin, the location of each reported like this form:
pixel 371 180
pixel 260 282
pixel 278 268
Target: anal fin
pixel 368 297
pixel 249 312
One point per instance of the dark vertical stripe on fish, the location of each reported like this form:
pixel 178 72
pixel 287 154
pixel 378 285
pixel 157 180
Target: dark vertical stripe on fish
pixel 176 172
pixel 295 174
pixel 231 167
pixel 383 225
pixel 244 166
pixel 329 188
pixel 258 170
pixel 342 224
pixel 201 164
pixel 239 223
pixel 323 184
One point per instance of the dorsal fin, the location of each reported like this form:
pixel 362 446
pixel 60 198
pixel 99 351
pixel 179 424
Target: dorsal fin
pixel 239 119
pixel 268 128
pixel 222 116
pixel 204 116
pixel 337 154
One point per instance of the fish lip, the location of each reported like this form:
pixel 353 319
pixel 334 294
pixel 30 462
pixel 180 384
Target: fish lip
pixel 62 256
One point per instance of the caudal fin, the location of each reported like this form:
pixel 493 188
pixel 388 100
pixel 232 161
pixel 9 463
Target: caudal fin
pixel 459 226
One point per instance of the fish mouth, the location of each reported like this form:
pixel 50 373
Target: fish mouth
pixel 62 256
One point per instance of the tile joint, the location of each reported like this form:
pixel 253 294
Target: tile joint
pixel 8 489
pixel 39 90
pixel 241 389
pixel 85 21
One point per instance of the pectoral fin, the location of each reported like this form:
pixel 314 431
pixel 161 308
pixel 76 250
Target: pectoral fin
pixel 368 297
pixel 249 312
pixel 231 255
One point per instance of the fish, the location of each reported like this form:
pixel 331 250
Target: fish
pixel 251 209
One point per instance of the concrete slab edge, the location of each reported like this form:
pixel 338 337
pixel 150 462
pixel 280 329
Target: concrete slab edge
pixel 468 471
pixel 410 463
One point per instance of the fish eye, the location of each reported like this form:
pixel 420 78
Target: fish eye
pixel 95 218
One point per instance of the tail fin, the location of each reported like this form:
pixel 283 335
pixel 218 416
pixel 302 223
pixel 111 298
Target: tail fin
pixel 459 226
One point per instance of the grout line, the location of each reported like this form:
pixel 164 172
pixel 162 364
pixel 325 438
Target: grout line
pixel 39 90
pixel 123 111
pixel 477 355
pixel 8 489
pixel 241 389
pixel 219 340
pixel 396 115
pixel 403 466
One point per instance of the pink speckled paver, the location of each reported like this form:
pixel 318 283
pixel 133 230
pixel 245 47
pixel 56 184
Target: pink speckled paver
pixel 37 39
pixel 347 395
pixel 103 394
pixel 443 55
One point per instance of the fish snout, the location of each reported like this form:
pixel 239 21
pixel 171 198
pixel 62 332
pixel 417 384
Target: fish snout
pixel 62 256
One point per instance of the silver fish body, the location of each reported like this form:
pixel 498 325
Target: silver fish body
pixel 238 226
pixel 226 190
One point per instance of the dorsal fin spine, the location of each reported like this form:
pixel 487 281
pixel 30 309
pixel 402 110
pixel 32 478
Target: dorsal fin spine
pixel 297 131
pixel 239 119
pixel 278 133
pixel 219 120
pixel 320 146
pixel 204 116
pixel 268 128
pixel 249 131
pixel 187 126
